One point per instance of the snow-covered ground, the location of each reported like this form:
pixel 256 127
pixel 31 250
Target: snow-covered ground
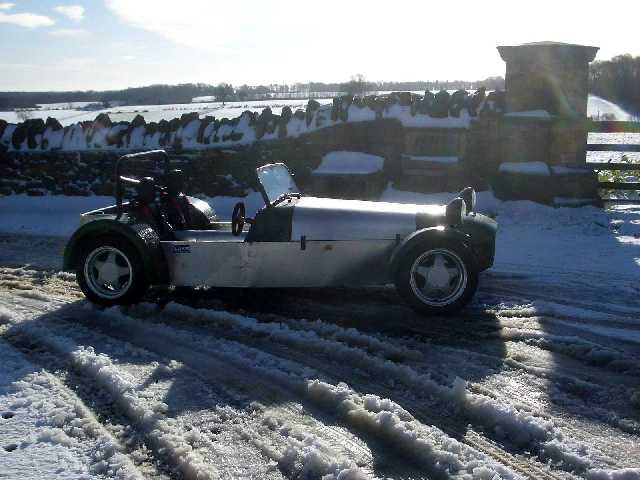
pixel 155 113
pixel 599 107
pixel 538 378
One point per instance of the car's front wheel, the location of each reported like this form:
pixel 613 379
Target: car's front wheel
pixel 110 272
pixel 437 278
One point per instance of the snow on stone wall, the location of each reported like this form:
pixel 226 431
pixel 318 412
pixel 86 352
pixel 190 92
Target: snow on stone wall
pixel 349 163
pixel 525 168
pixel 189 132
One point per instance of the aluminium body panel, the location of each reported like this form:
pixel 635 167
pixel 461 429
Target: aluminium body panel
pixel 336 219
pixel 278 264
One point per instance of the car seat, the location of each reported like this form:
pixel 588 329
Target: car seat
pixel 145 199
pixel 175 203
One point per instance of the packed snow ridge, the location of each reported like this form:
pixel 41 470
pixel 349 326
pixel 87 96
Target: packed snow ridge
pixel 67 440
pixel 520 427
pixel 190 132
pixel 162 432
pixel 369 413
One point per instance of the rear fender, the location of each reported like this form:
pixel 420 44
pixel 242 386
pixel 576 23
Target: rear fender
pixel 441 234
pixel 141 235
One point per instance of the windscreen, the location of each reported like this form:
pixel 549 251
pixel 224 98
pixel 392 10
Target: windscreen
pixel 276 181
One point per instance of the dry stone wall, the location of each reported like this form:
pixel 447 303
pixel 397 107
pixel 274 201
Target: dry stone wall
pixel 189 132
pixel 223 171
pixel 219 156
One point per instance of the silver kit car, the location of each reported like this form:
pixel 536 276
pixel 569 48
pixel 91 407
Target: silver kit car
pixel 160 236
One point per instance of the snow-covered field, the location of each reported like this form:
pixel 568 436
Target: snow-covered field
pixel 153 113
pixel 599 107
pixel 539 378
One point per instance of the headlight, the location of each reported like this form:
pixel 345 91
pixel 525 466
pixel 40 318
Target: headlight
pixel 456 209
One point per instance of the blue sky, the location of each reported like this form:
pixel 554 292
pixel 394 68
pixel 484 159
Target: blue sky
pixel 96 44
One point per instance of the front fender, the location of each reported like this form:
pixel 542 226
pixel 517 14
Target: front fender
pixel 142 236
pixel 445 234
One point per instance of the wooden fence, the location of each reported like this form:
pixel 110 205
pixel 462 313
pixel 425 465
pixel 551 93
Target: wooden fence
pixel 616 127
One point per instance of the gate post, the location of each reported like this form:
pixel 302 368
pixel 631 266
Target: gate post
pixel 547 88
pixel 548 76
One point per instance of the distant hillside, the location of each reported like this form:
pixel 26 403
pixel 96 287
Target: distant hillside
pixel 149 95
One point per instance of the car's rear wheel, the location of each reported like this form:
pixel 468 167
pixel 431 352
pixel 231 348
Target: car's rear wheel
pixel 110 272
pixel 436 277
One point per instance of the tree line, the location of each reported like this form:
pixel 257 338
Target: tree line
pixel 149 95
pixel 184 93
pixel 617 80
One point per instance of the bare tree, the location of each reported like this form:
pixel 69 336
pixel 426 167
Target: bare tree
pixel 358 85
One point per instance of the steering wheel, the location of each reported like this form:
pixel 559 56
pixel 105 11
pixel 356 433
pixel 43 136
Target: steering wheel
pixel 238 219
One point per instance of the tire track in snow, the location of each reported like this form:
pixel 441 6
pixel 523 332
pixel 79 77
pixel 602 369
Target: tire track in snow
pixel 580 289
pixel 570 378
pixel 152 422
pixel 70 420
pixel 597 440
pixel 551 448
pixel 354 357
pixel 304 454
pixel 225 457
pixel 37 281
pixel 581 312
pixel 536 476
pixel 297 452
pixel 561 381
pixel 340 440
pixel 588 352
pixel 300 443
pixel 512 326
pixel 592 434
pixel 297 383
pixel 356 410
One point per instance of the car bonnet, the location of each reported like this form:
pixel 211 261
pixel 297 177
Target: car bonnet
pixel 337 219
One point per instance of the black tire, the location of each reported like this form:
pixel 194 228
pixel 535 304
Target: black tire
pixel 463 289
pixel 136 283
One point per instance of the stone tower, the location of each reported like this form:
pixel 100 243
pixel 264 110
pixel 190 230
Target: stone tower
pixel 548 76
pixel 553 77
pixel 547 89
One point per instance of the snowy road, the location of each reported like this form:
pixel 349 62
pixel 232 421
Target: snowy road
pixel 539 378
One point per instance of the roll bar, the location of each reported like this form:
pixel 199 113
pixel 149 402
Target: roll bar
pixel 157 155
